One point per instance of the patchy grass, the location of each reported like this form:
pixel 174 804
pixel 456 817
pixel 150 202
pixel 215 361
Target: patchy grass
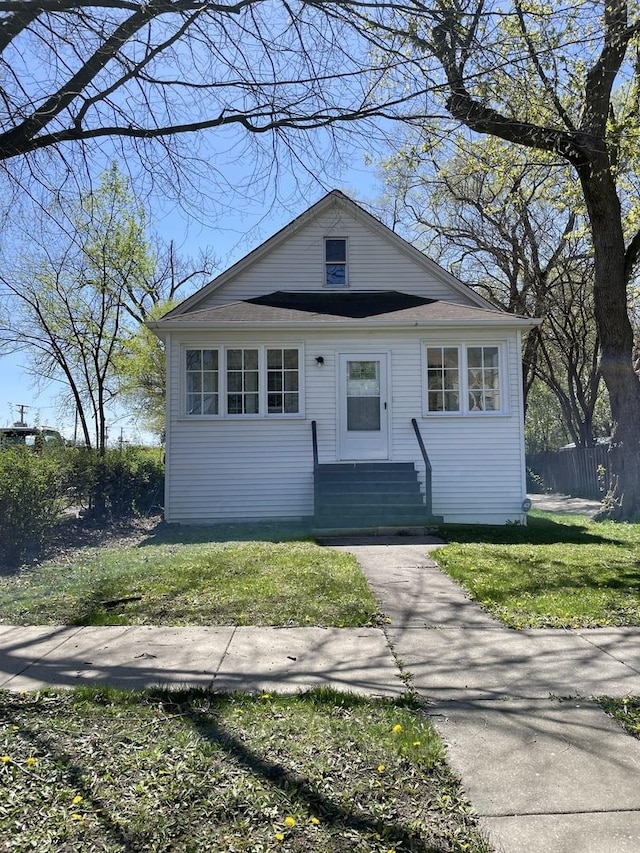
pixel 559 571
pixel 626 711
pixel 99 770
pixel 192 583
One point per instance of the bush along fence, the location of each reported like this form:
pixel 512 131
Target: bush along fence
pixel 579 471
pixel 37 487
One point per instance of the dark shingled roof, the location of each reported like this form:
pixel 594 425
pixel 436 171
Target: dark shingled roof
pixel 355 305
pixel 317 307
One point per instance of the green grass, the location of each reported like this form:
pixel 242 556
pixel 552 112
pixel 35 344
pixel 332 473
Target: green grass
pixel 99 770
pixel 626 711
pixel 559 571
pixel 176 579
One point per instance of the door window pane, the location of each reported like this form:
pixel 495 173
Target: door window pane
pixel 363 396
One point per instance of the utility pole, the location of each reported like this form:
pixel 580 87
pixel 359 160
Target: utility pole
pixel 22 408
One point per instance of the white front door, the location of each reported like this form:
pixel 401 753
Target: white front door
pixel 363 431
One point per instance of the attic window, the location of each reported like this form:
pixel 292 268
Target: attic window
pixel 335 262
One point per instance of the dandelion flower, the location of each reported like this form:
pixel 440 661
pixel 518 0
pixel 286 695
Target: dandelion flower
pixel 31 761
pixel 315 821
pixel 77 799
pixel 279 836
pixel 76 816
pixel 5 759
pixel 266 696
pixel 416 743
pixel 397 729
pixel 381 768
pixel 290 821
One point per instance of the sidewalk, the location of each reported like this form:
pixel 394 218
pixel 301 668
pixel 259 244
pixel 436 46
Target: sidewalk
pixel 545 774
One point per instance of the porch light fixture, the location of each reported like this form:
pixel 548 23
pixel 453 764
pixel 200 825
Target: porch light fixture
pixel 526 505
pixel 320 360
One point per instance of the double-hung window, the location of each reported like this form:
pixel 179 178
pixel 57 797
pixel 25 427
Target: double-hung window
pixel 237 381
pixel 283 382
pixel 202 381
pixel 464 379
pixel 243 387
pixel 335 262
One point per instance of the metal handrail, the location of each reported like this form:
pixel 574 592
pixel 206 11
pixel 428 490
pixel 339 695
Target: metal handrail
pixel 423 449
pixel 314 438
pixel 427 469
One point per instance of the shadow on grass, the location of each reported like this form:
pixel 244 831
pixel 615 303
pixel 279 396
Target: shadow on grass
pixel 203 712
pixel 302 791
pixel 186 534
pixel 538 531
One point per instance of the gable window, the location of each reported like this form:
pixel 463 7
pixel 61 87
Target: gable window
pixel 463 380
pixel 202 381
pixel 335 262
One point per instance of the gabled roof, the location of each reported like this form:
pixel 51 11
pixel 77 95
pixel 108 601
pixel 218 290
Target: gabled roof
pixel 332 199
pixel 314 310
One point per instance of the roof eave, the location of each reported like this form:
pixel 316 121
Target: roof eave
pixel 502 321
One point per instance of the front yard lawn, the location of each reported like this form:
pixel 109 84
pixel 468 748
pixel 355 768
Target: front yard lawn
pixel 559 571
pixel 99 770
pixel 180 578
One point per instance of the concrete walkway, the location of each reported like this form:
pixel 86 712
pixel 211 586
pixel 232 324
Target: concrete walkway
pixel 546 774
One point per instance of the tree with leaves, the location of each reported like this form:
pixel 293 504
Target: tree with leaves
pixel 493 216
pixel 74 298
pixel 562 81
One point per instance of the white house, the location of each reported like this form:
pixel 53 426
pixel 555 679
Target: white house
pixel 337 374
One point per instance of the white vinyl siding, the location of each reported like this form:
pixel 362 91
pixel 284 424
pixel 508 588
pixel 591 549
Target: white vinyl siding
pixel 299 265
pixel 223 469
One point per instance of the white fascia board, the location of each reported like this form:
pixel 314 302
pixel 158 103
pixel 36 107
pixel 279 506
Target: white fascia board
pixel 505 322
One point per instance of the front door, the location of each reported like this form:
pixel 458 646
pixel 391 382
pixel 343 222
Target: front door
pixel 363 423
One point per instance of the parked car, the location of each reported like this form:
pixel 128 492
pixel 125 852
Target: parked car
pixel 31 436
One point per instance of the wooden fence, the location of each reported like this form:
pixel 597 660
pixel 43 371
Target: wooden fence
pixel 579 471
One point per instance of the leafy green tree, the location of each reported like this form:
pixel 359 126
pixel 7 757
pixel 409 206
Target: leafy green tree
pixel 494 217
pixel 142 373
pixel 75 295
pixel 561 80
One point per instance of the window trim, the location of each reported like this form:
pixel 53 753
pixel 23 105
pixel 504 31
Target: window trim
pixel 262 413
pixel 464 411
pixel 325 263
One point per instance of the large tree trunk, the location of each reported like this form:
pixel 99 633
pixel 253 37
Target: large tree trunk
pixel 616 340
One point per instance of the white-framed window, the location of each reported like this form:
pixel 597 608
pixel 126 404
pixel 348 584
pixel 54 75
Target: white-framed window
pixel 465 379
pixel 202 381
pixel 237 381
pixel 243 381
pixel 335 262
pixel 283 381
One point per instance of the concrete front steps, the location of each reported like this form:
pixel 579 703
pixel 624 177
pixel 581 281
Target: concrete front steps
pixel 369 495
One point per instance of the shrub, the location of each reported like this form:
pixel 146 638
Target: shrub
pixel 123 482
pixel 30 491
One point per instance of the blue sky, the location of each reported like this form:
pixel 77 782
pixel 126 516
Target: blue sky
pixel 230 240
